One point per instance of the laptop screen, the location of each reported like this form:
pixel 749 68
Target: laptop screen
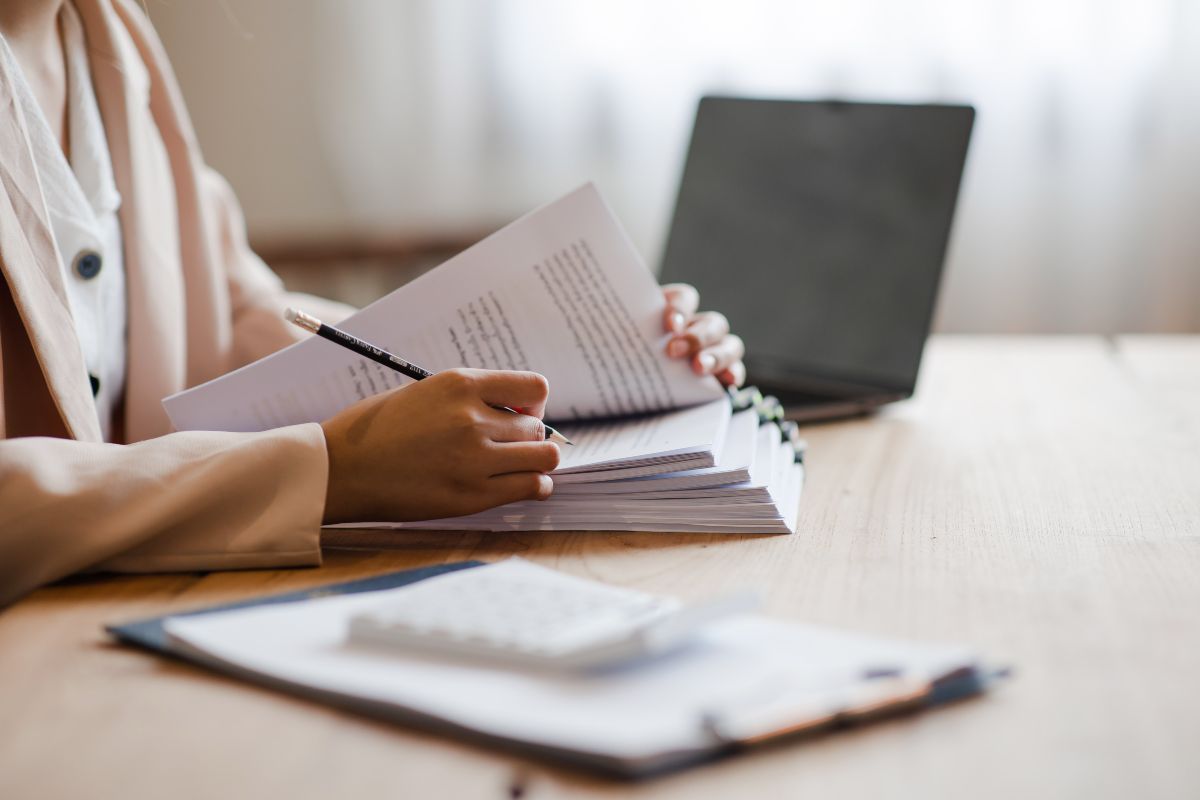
pixel 820 229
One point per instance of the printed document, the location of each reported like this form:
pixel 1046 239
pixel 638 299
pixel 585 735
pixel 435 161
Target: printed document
pixel 560 291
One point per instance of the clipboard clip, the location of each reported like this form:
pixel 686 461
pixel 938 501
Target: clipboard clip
pixel 878 694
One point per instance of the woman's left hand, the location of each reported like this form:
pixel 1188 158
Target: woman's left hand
pixel 702 337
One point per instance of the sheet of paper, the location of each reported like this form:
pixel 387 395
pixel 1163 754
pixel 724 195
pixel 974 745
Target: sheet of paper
pixel 560 291
pixel 741 664
pixel 658 438
pixel 733 466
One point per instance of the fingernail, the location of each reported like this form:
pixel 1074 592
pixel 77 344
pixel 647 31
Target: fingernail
pixel 677 320
pixel 677 348
pixel 707 362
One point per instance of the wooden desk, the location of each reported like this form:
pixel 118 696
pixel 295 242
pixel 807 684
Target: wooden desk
pixel 1040 499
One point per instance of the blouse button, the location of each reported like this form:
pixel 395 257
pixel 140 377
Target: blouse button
pixel 87 264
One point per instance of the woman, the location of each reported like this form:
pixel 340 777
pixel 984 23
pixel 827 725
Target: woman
pixel 127 278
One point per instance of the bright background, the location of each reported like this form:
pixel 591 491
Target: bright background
pixel 388 131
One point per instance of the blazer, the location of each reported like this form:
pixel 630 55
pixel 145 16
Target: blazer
pixel 199 304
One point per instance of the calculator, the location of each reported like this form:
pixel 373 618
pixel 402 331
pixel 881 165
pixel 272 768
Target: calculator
pixel 519 614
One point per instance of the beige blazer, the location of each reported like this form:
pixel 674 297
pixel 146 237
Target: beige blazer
pixel 200 303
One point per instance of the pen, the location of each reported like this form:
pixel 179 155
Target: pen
pixel 381 356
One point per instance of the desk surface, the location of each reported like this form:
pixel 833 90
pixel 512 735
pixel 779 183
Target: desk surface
pixel 1040 499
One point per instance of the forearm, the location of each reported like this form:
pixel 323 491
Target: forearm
pixel 187 501
pixel 256 297
pixel 259 328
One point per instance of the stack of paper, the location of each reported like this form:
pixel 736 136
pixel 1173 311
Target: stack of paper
pixel 561 292
pixel 752 485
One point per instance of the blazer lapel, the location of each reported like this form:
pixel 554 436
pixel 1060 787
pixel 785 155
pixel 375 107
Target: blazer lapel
pixel 157 355
pixel 29 260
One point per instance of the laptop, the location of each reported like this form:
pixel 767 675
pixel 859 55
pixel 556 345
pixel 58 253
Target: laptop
pixel 820 230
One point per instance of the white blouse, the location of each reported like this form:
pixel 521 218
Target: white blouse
pixel 82 201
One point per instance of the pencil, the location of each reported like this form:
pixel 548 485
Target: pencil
pixel 381 356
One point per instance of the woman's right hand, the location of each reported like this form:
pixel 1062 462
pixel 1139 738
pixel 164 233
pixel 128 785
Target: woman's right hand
pixel 437 448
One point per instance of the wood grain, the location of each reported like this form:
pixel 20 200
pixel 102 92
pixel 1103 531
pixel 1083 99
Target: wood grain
pixel 1040 499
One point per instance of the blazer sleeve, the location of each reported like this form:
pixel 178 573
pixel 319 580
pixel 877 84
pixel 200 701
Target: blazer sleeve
pixel 256 295
pixel 185 501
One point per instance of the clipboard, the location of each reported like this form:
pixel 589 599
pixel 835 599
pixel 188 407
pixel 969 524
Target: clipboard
pixel 730 731
pixel 148 634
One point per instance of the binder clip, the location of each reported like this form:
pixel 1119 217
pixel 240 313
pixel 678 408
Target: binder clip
pixel 745 398
pixel 769 410
pixel 791 433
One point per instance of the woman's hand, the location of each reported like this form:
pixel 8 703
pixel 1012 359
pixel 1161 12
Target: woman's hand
pixel 703 338
pixel 437 448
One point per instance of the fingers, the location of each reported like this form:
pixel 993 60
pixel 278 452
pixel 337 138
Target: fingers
pixel 720 357
pixel 734 376
pixel 504 426
pixel 519 486
pixel 705 330
pixel 682 302
pixel 523 457
pixel 703 337
pixel 526 391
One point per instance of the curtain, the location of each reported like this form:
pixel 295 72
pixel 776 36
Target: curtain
pixel 1080 204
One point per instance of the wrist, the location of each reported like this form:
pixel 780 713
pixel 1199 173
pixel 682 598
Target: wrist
pixel 335 510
